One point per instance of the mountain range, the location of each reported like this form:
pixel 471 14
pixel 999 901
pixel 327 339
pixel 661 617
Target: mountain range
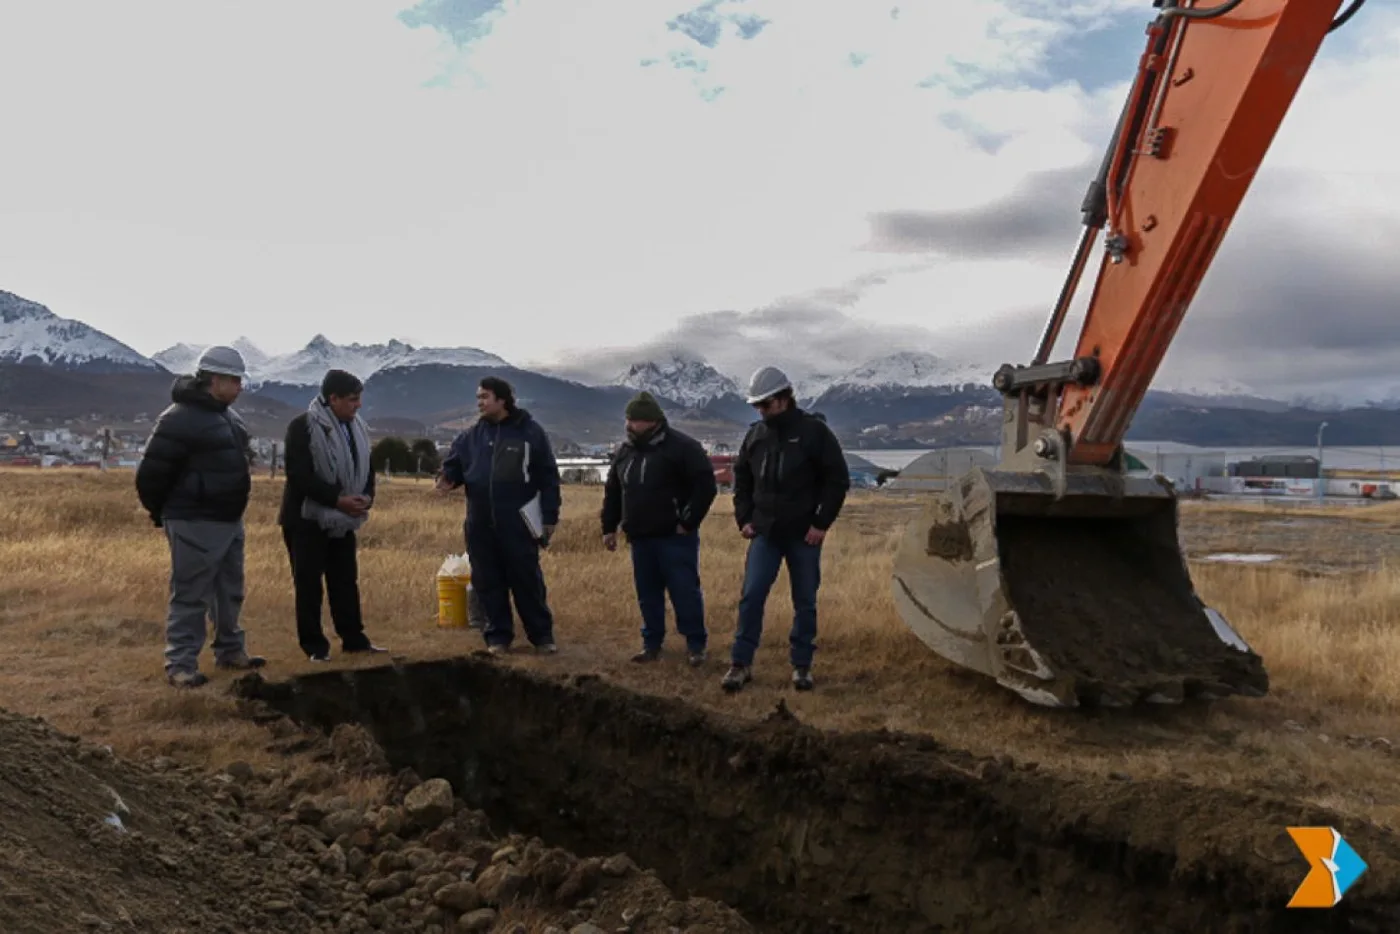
pixel 56 369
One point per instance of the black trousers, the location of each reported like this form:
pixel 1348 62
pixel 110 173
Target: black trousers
pixel 506 563
pixel 314 557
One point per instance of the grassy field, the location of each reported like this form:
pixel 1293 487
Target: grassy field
pixel 83 589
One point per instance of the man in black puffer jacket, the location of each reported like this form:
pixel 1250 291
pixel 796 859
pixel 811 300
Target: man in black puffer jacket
pixel 194 479
pixel 659 489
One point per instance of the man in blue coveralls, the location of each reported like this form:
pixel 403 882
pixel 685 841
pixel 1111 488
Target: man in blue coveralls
pixel 505 461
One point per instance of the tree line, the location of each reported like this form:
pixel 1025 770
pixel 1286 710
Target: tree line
pixel 396 455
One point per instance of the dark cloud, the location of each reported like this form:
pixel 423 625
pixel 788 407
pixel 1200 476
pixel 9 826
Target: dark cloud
pixel 462 21
pixel 1300 302
pixel 813 333
pixel 1040 217
pixel 1289 310
pixel 1288 307
pixel 1285 308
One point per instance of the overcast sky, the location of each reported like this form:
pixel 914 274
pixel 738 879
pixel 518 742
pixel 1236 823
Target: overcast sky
pixel 553 180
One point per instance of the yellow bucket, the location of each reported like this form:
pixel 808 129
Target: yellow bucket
pixel 452 602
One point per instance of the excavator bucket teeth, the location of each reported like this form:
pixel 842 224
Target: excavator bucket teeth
pixel 1078 599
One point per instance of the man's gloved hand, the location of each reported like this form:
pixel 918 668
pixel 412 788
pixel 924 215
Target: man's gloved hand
pixel 548 534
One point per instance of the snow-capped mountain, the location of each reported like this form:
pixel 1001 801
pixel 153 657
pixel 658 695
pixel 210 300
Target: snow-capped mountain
pixel 31 333
pixel 178 358
pixel 253 356
pixel 909 369
pixel 1203 387
pixel 689 381
pixel 306 366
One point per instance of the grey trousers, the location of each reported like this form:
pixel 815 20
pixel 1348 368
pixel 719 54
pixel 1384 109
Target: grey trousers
pixel 206 579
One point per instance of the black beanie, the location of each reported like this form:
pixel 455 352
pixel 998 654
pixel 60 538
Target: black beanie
pixel 644 408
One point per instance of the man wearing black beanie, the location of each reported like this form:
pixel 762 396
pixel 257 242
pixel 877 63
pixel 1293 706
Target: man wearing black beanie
pixel 658 491
pixel 327 497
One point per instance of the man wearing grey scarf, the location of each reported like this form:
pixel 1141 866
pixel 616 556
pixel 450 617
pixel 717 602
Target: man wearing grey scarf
pixel 327 498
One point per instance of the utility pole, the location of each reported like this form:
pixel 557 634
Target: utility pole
pixel 272 468
pixel 1320 482
pixel 106 445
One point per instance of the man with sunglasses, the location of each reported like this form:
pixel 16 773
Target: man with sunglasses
pixel 790 481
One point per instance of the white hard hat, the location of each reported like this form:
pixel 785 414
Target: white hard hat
pixel 225 361
pixel 765 382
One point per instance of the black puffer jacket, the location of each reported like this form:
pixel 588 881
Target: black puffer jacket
pixel 790 475
pixel 658 483
pixel 198 463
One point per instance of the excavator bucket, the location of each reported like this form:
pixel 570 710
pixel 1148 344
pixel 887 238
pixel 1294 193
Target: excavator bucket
pixel 1078 599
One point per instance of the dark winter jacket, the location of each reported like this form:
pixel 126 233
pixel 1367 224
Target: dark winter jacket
pixel 657 484
pixel 790 475
pixel 503 466
pixel 197 463
pixel 302 480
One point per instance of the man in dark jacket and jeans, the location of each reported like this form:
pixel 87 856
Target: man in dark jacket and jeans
pixel 508 468
pixel 327 497
pixel 194 479
pixel 659 488
pixel 790 481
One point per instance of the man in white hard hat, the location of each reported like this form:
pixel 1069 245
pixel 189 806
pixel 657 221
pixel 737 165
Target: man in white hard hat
pixel 194 479
pixel 790 481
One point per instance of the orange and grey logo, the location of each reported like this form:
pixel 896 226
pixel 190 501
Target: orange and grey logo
pixel 1334 867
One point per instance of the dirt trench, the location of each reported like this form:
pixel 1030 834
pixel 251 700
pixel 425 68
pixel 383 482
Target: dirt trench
pixel 805 831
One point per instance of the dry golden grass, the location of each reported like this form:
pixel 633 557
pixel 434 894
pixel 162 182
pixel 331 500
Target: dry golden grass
pixel 83 589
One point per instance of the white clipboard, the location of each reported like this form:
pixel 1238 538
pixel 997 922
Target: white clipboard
pixel 534 517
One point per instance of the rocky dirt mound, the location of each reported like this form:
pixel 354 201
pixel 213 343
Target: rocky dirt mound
pixel 89 842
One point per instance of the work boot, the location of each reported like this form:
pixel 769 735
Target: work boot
pixel 369 648
pixel 547 648
pixel 802 678
pixel 697 658
pixel 241 662
pixel 498 649
pixel 736 677
pixel 322 655
pixel 647 655
pixel 187 679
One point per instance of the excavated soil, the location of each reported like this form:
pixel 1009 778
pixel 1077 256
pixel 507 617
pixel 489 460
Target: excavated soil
pixel 950 540
pixel 89 842
pixel 1114 608
pixel 808 831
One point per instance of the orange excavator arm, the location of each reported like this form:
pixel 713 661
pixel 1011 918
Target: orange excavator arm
pixel 1057 572
pixel 1212 89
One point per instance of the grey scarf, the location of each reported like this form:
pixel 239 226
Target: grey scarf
pixel 330 455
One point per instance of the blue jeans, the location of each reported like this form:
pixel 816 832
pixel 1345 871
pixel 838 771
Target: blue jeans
pixel 765 558
pixel 669 563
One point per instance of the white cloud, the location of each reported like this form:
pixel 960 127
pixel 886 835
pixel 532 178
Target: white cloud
pixel 195 171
